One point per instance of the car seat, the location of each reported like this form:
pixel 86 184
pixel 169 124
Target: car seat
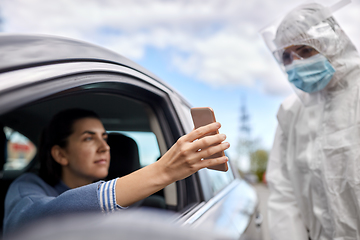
pixel 124 155
pixel 124 160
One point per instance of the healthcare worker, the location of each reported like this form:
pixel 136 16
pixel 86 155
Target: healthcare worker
pixel 314 166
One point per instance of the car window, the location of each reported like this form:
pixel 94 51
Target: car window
pixel 142 113
pixel 147 144
pixel 20 150
pixel 218 179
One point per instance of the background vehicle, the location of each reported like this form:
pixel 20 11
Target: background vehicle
pixel 42 75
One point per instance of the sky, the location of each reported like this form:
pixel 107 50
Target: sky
pixel 210 51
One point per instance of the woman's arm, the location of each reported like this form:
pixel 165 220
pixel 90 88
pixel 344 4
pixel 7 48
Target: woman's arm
pixel 29 198
pixel 182 160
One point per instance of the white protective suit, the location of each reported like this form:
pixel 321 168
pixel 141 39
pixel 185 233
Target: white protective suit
pixel 314 166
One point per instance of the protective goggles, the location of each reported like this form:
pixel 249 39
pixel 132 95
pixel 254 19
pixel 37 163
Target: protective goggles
pixel 297 52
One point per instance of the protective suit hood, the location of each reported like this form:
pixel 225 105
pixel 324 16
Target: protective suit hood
pixel 313 25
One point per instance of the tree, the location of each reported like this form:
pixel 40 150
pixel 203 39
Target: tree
pixel 258 162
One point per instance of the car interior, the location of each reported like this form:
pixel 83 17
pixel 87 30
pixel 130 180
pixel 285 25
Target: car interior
pixel 122 117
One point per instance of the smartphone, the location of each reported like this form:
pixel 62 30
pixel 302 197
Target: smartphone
pixel 203 116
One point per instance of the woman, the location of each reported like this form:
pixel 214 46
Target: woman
pixel 74 155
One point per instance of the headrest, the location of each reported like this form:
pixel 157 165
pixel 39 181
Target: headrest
pixel 124 155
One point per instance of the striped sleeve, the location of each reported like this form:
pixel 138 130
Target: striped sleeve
pixel 107 197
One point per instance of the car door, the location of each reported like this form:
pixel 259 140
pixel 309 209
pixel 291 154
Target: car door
pixel 126 100
pixel 229 205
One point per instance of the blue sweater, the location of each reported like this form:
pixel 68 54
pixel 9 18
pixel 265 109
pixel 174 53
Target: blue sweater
pixel 30 198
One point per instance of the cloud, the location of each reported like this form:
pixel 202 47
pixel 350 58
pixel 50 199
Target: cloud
pixel 216 41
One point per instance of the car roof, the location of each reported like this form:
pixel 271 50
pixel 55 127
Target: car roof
pixel 25 51
pixel 22 51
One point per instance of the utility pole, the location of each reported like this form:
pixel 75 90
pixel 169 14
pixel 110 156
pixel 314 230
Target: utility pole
pixel 245 142
pixel 245 129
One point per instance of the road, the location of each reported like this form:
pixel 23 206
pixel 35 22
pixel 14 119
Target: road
pixel 263 193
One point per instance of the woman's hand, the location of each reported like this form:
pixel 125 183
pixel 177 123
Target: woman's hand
pixel 185 158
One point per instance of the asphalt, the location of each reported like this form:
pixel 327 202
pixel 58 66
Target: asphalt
pixel 263 193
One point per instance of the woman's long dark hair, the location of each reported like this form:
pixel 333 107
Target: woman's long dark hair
pixel 57 133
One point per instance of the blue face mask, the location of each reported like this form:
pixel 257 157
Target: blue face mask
pixel 310 74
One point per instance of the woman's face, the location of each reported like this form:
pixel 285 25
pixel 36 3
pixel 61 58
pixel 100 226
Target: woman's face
pixel 87 153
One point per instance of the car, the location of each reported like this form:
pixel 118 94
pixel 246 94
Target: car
pixel 41 75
